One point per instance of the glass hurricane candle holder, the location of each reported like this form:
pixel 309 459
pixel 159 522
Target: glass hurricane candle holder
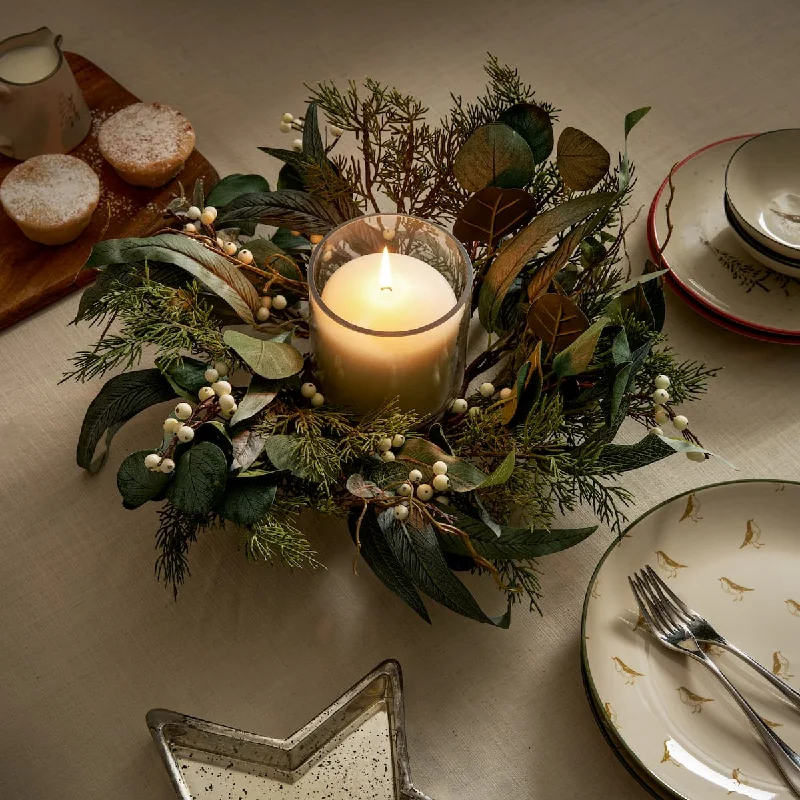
pixel 390 311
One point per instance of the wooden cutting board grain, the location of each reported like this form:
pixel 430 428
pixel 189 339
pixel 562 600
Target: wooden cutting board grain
pixel 33 275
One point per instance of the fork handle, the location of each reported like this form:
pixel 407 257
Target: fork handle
pixel 792 695
pixel 787 761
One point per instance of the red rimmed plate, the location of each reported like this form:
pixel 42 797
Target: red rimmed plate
pixel 706 261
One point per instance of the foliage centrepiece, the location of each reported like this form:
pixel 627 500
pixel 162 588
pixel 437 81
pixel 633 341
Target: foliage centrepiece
pixel 576 346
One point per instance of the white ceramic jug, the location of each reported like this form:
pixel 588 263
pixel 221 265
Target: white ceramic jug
pixel 42 109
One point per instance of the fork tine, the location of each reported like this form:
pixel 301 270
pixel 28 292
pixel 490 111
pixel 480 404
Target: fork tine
pixel 643 609
pixel 665 607
pixel 682 607
pixel 656 609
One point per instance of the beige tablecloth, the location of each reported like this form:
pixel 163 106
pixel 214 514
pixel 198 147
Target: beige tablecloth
pixel 89 641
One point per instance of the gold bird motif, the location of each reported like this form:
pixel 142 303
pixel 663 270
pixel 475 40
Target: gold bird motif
pixel 596 590
pixel 611 714
pixel 780 487
pixel 669 565
pixel 752 536
pixel 711 649
pixel 770 724
pixel 667 756
pixel 629 673
pixel 737 776
pixel 694 701
pixel 640 622
pixel 780 665
pixel 692 511
pixel 737 590
pixel 794 607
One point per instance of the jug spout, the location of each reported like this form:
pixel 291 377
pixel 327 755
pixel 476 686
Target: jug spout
pixel 30 57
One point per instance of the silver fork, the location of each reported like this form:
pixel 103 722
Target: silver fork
pixel 703 631
pixel 675 635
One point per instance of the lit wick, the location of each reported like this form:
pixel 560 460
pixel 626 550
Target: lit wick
pixel 386 272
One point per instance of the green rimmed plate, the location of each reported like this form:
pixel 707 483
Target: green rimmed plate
pixel 732 551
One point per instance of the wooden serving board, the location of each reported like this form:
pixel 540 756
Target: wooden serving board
pixel 33 275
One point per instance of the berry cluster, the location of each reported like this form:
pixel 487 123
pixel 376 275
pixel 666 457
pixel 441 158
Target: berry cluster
pixel 309 391
pixel 423 491
pixel 289 123
pixel 486 390
pixel 662 415
pixel 197 217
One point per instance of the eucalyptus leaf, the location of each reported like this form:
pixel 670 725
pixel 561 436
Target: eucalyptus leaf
pixel 519 250
pixel 493 213
pixel 210 268
pixel 281 450
pixel 380 558
pixel 269 359
pixel 576 358
pixel 502 473
pixel 494 155
pixel 136 483
pixel 247 446
pixel 359 487
pixel 233 186
pixel 215 431
pixel 533 124
pixel 582 161
pixel 422 454
pixel 620 349
pixel 260 394
pixel 247 500
pixel 121 398
pixel 186 376
pixel 200 479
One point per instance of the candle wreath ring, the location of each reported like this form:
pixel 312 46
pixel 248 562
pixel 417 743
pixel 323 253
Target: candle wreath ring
pixel 284 393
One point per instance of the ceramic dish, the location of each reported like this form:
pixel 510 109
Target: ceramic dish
pixel 730 551
pixel 762 184
pixel 787 266
pixel 704 255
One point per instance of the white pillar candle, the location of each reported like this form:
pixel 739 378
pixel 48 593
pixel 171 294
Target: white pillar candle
pixel 387 292
pixel 28 64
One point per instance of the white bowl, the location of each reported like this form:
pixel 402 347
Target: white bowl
pixel 762 185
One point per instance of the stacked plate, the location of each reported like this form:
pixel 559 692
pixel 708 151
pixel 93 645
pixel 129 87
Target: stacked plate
pixel 730 552
pixel 732 234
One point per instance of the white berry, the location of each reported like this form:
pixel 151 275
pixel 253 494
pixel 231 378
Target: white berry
pixel 190 227
pixel 680 422
pixel 660 396
pixel 405 489
pixel 387 455
pixel 656 431
pixel 287 117
pixel 183 411
pixel 441 483
pixel 285 126
pixel 415 476
pixel 297 145
pixel 279 302
pixel 209 215
pixel 231 411
pixel 424 492
pixel 696 455
pixel 398 440
pixel 662 382
pixel 401 512
pixel 474 411
pixel 220 243
pixel 262 315
pixel 336 130
pixel 171 425
pixel 266 301
pixel 152 461
pixel 211 375
pixel 384 444
pixel 185 434
pixel 459 405
pixel 222 368
pixel 439 468
pixel 316 238
pixel 230 248
pixel 318 399
pixel 505 393
pixel 167 465
pixel 205 393
pixel 193 212
pixel 221 387
pixel 245 256
pixel 226 402
pixel 308 390
pixel 486 389
pixel 660 415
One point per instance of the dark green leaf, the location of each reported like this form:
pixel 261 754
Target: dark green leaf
pixel 620 349
pixel 216 432
pixel 136 483
pixel 284 239
pixel 386 474
pixel 265 251
pixel 120 399
pixel 247 500
pixel 233 186
pixel 208 267
pixel 534 126
pixel 494 155
pixel 592 252
pixel 260 394
pixel 186 376
pixel 654 292
pixel 269 359
pixel 526 390
pixel 313 149
pixel 290 178
pixel 576 358
pixel 502 473
pixel 623 457
pixel 493 213
pixel 200 479
pixel 288 208
pixel 113 277
pixel 421 557
pixel 635 303
pixel 422 454
pixel 364 489
pixel 556 261
pixel 519 250
pixel 582 161
pixel 247 447
pixel 632 117
pixel 437 436
pixel 381 559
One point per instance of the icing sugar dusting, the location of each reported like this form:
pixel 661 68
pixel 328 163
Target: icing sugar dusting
pixel 50 190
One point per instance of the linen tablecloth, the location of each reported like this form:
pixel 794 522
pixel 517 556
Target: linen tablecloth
pixel 89 641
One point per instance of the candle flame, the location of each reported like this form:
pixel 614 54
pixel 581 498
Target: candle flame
pixel 386 271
